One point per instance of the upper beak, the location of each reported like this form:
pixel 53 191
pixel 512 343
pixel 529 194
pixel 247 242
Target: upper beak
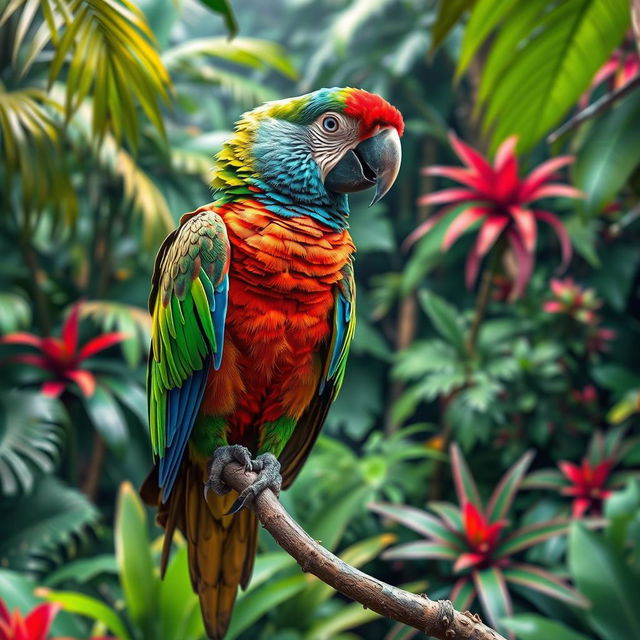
pixel 375 161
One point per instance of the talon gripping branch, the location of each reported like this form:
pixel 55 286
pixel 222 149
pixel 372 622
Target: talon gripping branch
pixel 253 305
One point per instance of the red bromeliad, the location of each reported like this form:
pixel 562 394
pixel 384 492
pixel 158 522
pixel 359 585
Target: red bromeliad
pixel 475 540
pixel 588 485
pixel 63 357
pixel 504 204
pixel 36 625
pixel 591 482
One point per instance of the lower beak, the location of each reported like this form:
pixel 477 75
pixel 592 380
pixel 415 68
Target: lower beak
pixel 374 162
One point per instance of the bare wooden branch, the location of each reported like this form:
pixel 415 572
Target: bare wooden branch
pixel 594 109
pixel 435 618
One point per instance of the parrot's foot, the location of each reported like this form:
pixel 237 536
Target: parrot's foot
pixel 265 465
pixel 268 469
pixel 222 456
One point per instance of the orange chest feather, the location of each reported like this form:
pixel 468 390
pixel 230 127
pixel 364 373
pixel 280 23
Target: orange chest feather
pixel 282 277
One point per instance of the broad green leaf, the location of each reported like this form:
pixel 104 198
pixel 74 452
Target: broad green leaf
pixel 602 576
pixel 450 514
pixel 530 626
pixel 493 595
pixel 107 418
pixel 503 495
pixel 540 580
pixel 224 8
pixel 610 154
pixel 466 488
pixel 444 317
pixel 135 563
pixel 463 593
pixel 267 565
pixel 417 520
pixel 484 18
pixel 87 606
pixel 176 601
pixel 449 13
pixel 256 603
pixel 535 88
pixel 82 570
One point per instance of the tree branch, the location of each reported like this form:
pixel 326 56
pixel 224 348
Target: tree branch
pixel 594 109
pixel 435 618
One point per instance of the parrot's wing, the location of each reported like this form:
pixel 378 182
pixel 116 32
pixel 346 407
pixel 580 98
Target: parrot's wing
pixel 308 427
pixel 188 304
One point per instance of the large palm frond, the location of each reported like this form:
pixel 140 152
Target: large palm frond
pixel 108 51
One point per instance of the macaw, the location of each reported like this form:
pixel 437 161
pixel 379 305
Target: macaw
pixel 253 311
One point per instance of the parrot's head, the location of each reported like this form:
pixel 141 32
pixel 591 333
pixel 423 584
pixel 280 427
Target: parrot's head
pixel 314 149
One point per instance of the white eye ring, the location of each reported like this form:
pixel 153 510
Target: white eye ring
pixel 330 124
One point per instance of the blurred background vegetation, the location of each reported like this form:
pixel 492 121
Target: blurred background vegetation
pixel 110 112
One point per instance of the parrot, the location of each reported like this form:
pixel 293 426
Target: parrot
pixel 253 312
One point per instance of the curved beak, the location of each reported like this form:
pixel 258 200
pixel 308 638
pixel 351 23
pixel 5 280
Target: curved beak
pixel 374 162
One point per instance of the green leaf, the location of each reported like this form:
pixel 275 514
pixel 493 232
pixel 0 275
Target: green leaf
pixel 15 313
pixel 223 7
pixel 610 154
pixel 544 479
pixel 254 604
pixel 420 549
pixel 531 535
pixel 449 13
pixel 416 520
pixel 493 594
pixel 503 495
pixel 177 603
pixel 82 570
pixel 602 576
pixel 535 82
pixel 135 563
pixel 530 626
pixel 540 580
pixel 32 434
pixel 87 606
pixel 45 526
pixel 106 416
pixel 466 488
pixel 444 317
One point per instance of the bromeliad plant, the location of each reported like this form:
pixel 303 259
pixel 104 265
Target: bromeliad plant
pixel 63 359
pixel 478 543
pixel 503 203
pixel 593 480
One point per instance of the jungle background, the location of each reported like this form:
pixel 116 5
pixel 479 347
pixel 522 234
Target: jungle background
pixel 484 446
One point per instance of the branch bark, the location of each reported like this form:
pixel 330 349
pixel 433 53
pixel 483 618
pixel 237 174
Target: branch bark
pixel 435 618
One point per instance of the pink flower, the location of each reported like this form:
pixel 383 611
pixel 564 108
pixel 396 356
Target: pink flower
pixel 572 299
pixel 63 357
pixel 503 203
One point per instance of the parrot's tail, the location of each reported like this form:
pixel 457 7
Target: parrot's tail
pixel 222 548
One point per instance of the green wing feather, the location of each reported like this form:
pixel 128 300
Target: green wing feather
pixel 190 271
pixel 308 427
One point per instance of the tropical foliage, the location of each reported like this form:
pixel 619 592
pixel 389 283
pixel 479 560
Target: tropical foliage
pixel 110 111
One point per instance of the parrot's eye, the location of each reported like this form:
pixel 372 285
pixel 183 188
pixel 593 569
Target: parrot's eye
pixel 330 124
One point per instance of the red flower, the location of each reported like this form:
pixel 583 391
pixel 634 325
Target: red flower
pixel 588 485
pixel 482 538
pixel 34 627
pixel 622 67
pixel 62 357
pixel 598 339
pixel 502 202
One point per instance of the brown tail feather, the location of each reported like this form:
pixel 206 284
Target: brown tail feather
pixel 221 548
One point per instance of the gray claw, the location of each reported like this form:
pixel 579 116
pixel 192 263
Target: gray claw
pixel 268 469
pixel 222 456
